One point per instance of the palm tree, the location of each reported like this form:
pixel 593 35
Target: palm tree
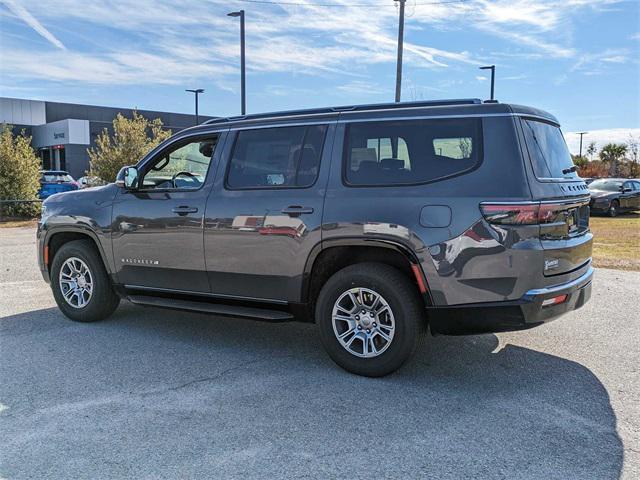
pixel 611 153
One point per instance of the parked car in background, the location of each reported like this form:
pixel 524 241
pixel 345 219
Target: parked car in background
pixel 55 181
pixel 88 181
pixel 614 195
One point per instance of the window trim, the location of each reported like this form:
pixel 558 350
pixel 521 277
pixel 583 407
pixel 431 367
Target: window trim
pixel 275 187
pixel 345 156
pixel 187 140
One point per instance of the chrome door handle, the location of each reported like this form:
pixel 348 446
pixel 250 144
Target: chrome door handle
pixel 183 210
pixel 294 210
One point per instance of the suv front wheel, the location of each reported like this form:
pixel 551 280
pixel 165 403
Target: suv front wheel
pixel 80 283
pixel 370 318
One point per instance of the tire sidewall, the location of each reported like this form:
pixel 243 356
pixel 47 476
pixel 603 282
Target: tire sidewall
pixel 614 208
pixel 102 290
pixel 406 324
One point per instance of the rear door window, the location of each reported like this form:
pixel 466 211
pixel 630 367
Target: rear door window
pixel 548 151
pixel 276 157
pixel 410 152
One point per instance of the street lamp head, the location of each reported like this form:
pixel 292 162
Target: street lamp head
pixel 488 67
pixel 197 90
pixel 235 14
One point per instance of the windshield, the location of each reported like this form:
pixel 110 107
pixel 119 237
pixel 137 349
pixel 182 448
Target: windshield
pixel 56 178
pixel 606 185
pixel 548 151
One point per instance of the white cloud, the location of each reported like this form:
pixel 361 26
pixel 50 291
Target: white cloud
pixel 481 78
pixel 594 63
pixel 24 15
pixel 359 87
pixel 514 77
pixel 615 59
pixel 173 41
pixel 601 137
pixel 177 40
pixel 114 69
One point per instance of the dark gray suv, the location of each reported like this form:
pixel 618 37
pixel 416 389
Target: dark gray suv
pixel 374 221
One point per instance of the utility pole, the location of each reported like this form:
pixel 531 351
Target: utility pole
pixel 243 95
pixel 581 134
pixel 493 77
pixel 400 47
pixel 196 91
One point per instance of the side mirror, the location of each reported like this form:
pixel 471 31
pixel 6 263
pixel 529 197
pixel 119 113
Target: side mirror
pixel 625 190
pixel 127 178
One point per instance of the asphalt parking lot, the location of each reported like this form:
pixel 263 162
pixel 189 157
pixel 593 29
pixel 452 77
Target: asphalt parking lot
pixel 164 394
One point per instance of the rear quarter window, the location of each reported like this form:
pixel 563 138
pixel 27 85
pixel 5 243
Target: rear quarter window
pixel 550 157
pixel 383 153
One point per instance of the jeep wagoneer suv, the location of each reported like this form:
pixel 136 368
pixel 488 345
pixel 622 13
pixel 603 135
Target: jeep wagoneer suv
pixel 373 221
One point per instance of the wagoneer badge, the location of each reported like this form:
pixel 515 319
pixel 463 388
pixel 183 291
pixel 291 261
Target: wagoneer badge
pixel 551 264
pixel 140 261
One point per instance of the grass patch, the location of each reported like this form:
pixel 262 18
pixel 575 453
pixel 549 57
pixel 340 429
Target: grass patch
pixel 616 242
pixel 10 222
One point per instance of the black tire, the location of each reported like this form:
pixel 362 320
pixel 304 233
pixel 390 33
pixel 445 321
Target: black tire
pixel 614 208
pixel 404 301
pixel 103 300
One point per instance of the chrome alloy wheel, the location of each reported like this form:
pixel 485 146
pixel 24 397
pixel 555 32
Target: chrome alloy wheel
pixel 76 282
pixel 363 322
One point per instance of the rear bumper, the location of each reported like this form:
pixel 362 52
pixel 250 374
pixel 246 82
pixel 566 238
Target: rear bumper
pixel 527 312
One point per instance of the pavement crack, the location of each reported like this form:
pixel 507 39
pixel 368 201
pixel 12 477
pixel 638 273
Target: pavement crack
pixel 203 379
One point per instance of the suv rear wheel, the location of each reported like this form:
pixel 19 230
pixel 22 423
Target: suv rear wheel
pixel 370 318
pixel 80 284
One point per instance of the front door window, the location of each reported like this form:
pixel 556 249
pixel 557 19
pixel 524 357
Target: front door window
pixel 182 168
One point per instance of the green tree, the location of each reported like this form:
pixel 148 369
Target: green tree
pixel 611 154
pixel 591 150
pixel 633 146
pixel 132 139
pixel 19 173
pixel 579 161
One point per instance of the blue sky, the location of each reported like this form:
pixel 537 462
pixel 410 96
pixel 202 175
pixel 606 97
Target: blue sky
pixel 579 59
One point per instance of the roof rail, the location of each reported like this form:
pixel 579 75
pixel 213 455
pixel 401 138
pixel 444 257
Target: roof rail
pixel 348 108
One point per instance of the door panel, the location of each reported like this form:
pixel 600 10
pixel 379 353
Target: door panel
pixel 625 197
pixel 157 234
pixel 636 195
pixel 257 240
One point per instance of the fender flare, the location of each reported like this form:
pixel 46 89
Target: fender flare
pixel 405 250
pixel 84 230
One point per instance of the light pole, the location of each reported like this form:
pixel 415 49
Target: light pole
pixel 400 47
pixel 196 92
pixel 243 95
pixel 581 134
pixel 493 76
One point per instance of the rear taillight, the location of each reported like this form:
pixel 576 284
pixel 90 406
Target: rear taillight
pixel 522 213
